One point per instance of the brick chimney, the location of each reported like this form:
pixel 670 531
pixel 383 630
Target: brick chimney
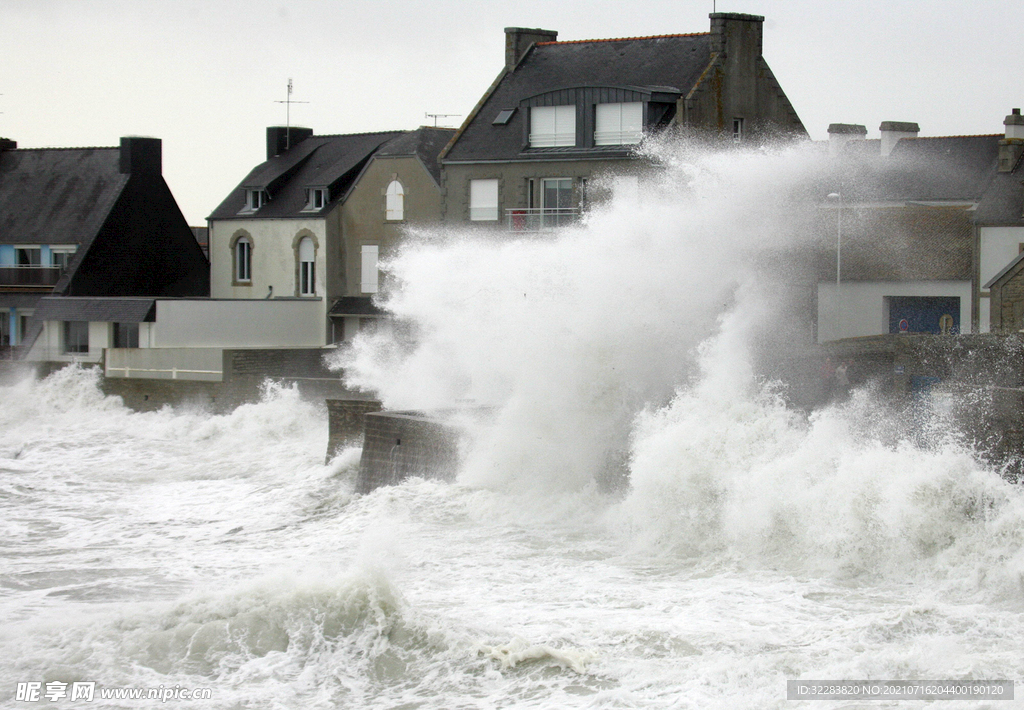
pixel 1012 145
pixel 282 138
pixel 893 131
pixel 518 41
pixel 141 156
pixel 839 134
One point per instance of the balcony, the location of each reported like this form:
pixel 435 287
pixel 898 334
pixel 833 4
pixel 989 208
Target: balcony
pixel 30 276
pixel 539 219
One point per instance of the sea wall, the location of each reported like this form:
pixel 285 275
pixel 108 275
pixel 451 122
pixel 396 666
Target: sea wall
pixel 398 445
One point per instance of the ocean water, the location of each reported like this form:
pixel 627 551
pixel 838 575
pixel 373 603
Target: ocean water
pixel 753 544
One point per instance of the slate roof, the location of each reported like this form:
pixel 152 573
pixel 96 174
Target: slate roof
pixel 110 310
pixel 331 161
pixel 950 168
pixel 667 63
pixel 57 195
pixel 425 143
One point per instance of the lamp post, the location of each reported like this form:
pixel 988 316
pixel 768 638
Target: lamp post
pixel 839 257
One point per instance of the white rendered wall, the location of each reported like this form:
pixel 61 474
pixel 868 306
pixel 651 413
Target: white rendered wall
pixel 999 246
pixel 241 323
pixel 863 308
pixel 49 346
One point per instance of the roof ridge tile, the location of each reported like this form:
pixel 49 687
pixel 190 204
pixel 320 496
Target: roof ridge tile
pixel 623 39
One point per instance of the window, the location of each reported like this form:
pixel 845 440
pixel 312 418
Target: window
pixel 618 124
pixel 316 198
pixel 552 126
pixel 255 199
pixel 556 202
pixel 394 202
pixel 28 256
pixel 483 200
pixel 503 117
pixel 5 329
pixel 23 319
pixel 126 335
pixel 307 267
pixel 76 336
pixel 243 260
pixel 60 257
pixel 737 129
pixel 369 270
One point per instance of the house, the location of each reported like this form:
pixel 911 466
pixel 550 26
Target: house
pixel 561 114
pixel 88 223
pixel 312 221
pixel 914 230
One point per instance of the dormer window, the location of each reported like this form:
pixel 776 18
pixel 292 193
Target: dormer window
pixel 552 126
pixel 618 123
pixel 316 198
pixel 254 199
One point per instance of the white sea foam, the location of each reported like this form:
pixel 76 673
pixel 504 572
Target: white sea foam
pixel 753 545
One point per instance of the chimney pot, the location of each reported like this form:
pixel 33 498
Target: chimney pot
pixel 893 131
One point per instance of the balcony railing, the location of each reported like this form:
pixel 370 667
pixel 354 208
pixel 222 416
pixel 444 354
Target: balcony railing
pixel 32 276
pixel 539 219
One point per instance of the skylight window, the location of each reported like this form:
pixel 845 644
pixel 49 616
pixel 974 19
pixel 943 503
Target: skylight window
pixel 504 116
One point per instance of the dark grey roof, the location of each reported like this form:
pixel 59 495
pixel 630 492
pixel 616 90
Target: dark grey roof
pixel 355 306
pixel 318 161
pixel 952 168
pixel 425 143
pixel 670 63
pixel 57 195
pixel 1003 201
pixel 113 310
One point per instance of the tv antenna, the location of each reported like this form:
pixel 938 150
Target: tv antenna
pixel 436 116
pixel 288 114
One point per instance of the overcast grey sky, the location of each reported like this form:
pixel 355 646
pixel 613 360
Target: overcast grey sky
pixel 204 75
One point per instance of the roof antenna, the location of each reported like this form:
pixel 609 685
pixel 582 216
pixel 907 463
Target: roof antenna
pixel 436 116
pixel 288 115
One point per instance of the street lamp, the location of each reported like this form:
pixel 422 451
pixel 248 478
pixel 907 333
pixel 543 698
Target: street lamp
pixel 839 256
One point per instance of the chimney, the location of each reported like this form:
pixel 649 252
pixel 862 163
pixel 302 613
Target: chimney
pixel 1012 145
pixel 892 131
pixel 141 156
pixel 8 144
pixel 282 138
pixel 518 41
pixel 736 34
pixel 839 134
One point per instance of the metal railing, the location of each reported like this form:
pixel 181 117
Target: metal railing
pixel 540 219
pixel 41 276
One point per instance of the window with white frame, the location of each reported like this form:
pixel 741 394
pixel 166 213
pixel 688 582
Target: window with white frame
pixel 483 200
pixel 243 260
pixel 552 126
pixel 254 199
pixel 316 198
pixel 28 256
pixel 737 129
pixel 394 202
pixel 370 278
pixel 618 124
pixel 60 256
pixel 307 267
pixel 76 336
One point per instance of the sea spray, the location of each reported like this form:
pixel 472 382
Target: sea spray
pixel 568 336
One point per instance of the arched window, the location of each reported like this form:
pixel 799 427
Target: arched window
pixel 307 267
pixel 243 260
pixel 394 202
